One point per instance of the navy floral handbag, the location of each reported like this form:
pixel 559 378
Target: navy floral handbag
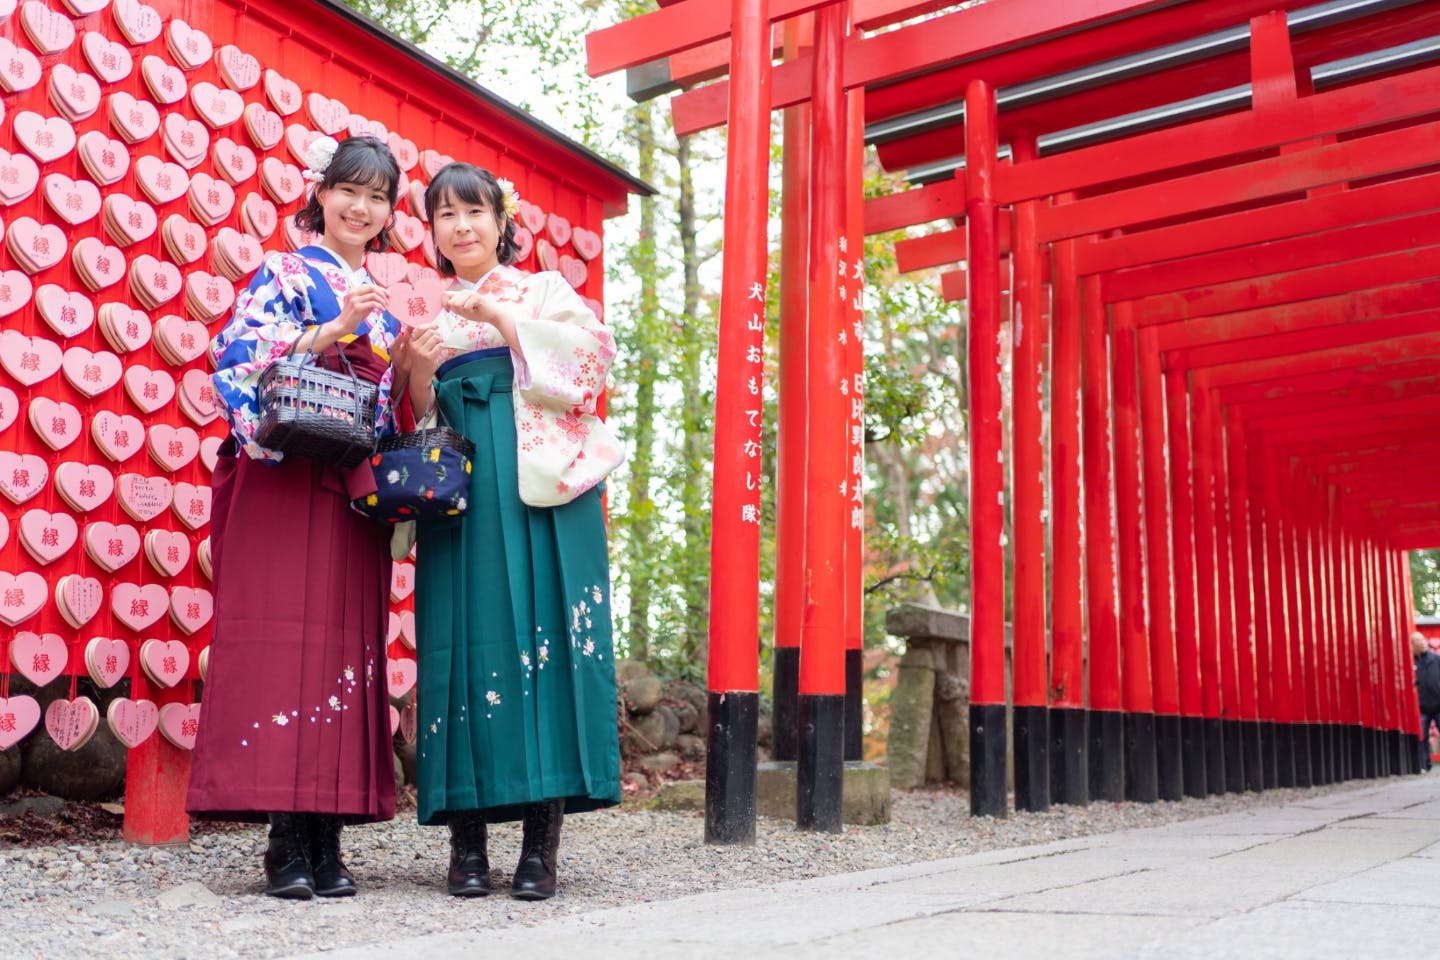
pixel 419 475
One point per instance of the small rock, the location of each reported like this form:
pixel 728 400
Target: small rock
pixel 690 746
pixel 94 772
pixel 9 770
pixel 645 735
pixel 697 697
pixel 627 670
pixel 190 894
pixel 111 908
pixel 686 713
pixel 636 779
pixel 241 924
pixel 660 762
pixel 681 795
pixel 642 694
pixel 47 807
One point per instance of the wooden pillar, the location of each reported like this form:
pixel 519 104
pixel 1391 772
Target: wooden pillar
pixel 1296 599
pixel 1107 724
pixel 1069 767
pixel 1138 700
pixel 1187 630
pixel 821 763
pixel 1030 714
pixel 1161 572
pixel 1225 580
pixel 1268 602
pixel 987 470
pixel 734 665
pixel 1238 473
pixel 790 435
pixel 1207 574
pixel 852 337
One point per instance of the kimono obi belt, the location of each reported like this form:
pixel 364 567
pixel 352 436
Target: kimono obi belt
pixel 474 376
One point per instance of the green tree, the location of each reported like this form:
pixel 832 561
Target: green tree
pixel 1425 580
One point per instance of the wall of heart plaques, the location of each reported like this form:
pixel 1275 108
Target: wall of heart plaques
pixel 147 165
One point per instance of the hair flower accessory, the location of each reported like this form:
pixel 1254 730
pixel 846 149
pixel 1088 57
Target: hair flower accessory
pixel 509 198
pixel 317 158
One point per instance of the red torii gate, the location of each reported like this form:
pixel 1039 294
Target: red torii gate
pixel 1240 272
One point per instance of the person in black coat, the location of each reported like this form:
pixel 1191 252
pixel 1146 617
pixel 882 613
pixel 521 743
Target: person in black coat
pixel 1427 685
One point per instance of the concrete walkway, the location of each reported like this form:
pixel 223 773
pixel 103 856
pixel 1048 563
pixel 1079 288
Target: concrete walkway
pixel 1353 874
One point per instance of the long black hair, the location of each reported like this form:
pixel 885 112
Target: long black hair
pixel 365 162
pixel 467 183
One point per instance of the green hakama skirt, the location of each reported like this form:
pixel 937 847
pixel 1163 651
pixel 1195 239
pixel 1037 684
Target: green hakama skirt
pixel 513 630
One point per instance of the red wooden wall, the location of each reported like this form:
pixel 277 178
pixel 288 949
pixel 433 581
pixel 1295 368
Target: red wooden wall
pixel 233 71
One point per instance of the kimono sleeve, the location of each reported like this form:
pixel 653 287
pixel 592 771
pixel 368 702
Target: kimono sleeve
pixel 269 317
pixel 566 350
pixel 565 448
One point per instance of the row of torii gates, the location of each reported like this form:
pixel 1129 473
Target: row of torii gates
pixel 1200 246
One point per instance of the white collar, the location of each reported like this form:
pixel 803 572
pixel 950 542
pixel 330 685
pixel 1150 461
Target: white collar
pixel 356 277
pixel 478 283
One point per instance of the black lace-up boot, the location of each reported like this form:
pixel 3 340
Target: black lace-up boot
pixel 332 877
pixel 539 849
pixel 287 862
pixel 469 874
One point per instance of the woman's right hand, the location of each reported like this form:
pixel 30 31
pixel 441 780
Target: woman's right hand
pixel 424 349
pixel 358 304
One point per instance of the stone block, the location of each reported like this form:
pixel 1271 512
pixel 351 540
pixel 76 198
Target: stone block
pixel 908 742
pixel 679 796
pixel 866 800
pixel 642 694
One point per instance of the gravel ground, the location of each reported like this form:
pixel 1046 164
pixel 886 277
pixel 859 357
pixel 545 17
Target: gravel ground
pixel 204 900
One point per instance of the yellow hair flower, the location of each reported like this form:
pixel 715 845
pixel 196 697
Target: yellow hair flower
pixel 509 198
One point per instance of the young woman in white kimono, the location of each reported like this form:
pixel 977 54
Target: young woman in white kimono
pixel 512 602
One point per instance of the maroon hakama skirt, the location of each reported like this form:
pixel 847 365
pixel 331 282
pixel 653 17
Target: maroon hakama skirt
pixel 295 714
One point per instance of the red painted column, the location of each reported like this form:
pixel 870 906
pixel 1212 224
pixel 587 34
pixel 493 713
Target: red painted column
pixel 1394 647
pixel 1229 654
pixel 1398 571
pixel 1301 664
pixel 1303 635
pixel 1187 630
pixel 1137 687
pixel 1280 588
pixel 1325 676
pixel 1264 599
pixel 791 437
pixel 987 469
pixel 1107 725
pixel 1364 652
pixel 1312 618
pixel 1344 633
pixel 734 661
pixel 157 774
pixel 1206 577
pixel 1238 474
pixel 1160 571
pixel 820 770
pixel 1027 377
pixel 1069 767
pixel 852 337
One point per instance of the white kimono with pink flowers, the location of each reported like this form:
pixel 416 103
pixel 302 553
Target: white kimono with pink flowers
pixel 560 369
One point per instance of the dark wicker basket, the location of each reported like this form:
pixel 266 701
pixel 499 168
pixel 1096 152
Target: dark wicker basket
pixel 442 436
pixel 309 411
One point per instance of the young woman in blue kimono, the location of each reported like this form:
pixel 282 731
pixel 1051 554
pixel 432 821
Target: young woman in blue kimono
pixel 516 701
pixel 295 720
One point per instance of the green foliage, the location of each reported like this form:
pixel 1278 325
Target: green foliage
pixel 1425 580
